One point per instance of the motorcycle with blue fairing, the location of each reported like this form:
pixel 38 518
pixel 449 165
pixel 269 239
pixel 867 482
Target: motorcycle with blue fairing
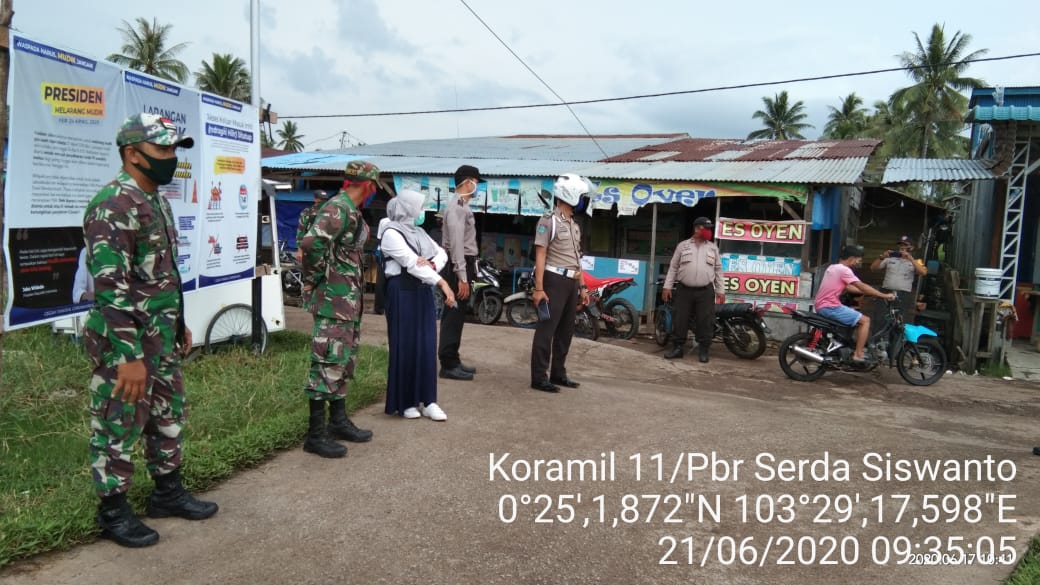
pixel 914 350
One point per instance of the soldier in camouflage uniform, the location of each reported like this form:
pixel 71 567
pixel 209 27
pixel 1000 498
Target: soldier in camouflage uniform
pixel 334 282
pixel 307 218
pixel 135 334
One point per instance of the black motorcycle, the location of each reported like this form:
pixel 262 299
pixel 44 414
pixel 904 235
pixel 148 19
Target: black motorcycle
pixel 914 350
pixel 292 273
pixel 739 326
pixel 485 302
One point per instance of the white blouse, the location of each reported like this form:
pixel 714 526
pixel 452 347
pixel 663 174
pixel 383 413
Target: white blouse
pixel 399 255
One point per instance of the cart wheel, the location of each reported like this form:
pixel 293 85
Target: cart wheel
pixel 233 325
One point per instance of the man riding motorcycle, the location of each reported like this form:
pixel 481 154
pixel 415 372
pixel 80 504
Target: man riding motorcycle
pixel 840 278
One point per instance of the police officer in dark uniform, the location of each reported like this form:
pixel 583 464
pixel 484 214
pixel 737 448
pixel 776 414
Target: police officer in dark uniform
pixel 696 274
pixel 558 281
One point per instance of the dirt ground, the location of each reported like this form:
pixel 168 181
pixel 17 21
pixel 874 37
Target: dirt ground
pixel 485 497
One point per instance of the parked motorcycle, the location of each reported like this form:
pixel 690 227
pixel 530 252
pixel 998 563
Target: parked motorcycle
pixel 485 294
pixel 618 316
pixel 521 312
pixel 292 273
pixel 739 326
pixel 828 345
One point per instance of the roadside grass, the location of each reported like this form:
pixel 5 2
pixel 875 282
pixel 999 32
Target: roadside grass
pixel 995 369
pixel 242 408
pixel 1028 570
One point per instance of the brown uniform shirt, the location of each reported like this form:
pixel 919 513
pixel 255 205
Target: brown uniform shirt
pixel 696 265
pixel 563 250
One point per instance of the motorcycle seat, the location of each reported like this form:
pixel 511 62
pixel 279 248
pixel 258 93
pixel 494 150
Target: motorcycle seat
pixel 727 310
pixel 818 320
pixel 595 283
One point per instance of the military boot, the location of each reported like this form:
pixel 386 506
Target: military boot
pixel 341 427
pixel 171 499
pixel 318 441
pixel 119 524
pixel 676 351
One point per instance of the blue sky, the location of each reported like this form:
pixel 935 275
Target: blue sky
pixel 363 56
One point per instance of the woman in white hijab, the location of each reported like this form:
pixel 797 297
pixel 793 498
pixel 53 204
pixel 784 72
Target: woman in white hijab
pixel 412 260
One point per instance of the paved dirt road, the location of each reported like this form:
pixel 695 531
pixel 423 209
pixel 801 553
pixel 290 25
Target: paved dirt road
pixel 416 505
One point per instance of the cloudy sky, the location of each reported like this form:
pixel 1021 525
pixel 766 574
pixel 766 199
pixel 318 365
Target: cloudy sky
pixel 364 56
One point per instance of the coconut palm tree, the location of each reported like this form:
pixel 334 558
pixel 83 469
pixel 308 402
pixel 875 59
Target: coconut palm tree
pixel 227 76
pixel 783 121
pixel 934 101
pixel 850 121
pixel 288 137
pixel 144 49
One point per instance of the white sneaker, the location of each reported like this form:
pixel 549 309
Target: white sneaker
pixel 434 412
pixel 411 412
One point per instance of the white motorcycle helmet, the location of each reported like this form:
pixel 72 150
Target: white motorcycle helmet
pixel 571 189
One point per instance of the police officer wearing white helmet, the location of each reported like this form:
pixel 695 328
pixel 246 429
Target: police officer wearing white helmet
pixel 558 280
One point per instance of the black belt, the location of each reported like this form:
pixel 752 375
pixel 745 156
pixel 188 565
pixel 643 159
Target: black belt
pixel 705 287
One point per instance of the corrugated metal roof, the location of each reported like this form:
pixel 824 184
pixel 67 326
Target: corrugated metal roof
pixel 705 149
pixel 925 170
pixel 799 162
pixel 844 171
pixel 987 113
pixel 574 148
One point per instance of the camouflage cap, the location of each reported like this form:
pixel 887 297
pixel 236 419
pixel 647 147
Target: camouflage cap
pixel 362 170
pixel 151 128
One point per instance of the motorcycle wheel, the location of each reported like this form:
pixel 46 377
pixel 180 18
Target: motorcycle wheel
pixel 662 325
pixel 292 280
pixel 744 339
pixel 522 313
pixel 489 310
pixel 585 325
pixel 626 319
pixel 796 367
pixel 921 363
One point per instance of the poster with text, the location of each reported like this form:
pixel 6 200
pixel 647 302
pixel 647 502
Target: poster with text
pixel 166 99
pixel 229 189
pixel 65 110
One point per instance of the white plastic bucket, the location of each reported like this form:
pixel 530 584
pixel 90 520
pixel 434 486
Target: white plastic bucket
pixel 987 282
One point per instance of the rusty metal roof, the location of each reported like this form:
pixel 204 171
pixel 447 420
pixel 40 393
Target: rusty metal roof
pixel 708 149
pixel 929 170
pixel 650 157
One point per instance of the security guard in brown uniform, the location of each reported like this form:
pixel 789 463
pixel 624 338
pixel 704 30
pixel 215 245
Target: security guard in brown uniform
pixel 696 274
pixel 558 281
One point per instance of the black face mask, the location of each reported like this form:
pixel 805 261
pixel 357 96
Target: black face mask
pixel 161 171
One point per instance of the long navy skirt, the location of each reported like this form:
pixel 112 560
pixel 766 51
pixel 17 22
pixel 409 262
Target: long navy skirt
pixel 411 328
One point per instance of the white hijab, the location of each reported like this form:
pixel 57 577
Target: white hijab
pixel 401 213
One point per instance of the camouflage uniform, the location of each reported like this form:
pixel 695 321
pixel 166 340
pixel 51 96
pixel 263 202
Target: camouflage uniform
pixel 137 315
pixel 307 216
pixel 333 264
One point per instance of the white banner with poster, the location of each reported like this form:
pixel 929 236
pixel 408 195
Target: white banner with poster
pixel 230 179
pixel 181 106
pixel 66 110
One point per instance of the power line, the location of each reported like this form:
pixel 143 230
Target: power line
pixel 653 95
pixel 536 76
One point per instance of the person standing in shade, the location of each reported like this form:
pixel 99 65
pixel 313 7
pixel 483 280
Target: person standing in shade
pixel 695 272
pixel 900 272
pixel 460 242
pixel 411 259
pixel 307 218
pixel 334 283
pixel 135 334
pixel 558 281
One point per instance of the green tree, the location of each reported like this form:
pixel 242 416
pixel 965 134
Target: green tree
pixel 227 76
pixel 288 137
pixel 933 106
pixel 849 121
pixel 782 120
pixel 144 49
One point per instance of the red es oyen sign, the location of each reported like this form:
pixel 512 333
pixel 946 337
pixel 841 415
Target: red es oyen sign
pixel 750 230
